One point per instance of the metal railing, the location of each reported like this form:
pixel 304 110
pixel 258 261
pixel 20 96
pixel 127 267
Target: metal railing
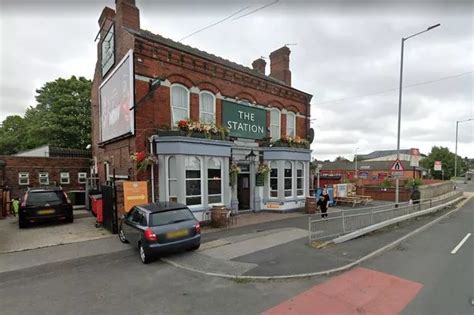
pixel 341 222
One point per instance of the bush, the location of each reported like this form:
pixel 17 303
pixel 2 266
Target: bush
pixel 413 183
pixel 386 183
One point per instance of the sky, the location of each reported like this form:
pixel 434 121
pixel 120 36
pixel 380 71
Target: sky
pixel 345 53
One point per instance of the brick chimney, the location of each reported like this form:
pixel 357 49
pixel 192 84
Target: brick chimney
pixel 280 65
pixel 127 14
pixel 259 65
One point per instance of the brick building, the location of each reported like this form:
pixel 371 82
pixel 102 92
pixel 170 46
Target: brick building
pixel 44 166
pixel 145 85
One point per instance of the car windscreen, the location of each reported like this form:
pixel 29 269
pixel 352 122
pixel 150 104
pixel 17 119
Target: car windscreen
pixel 41 198
pixel 170 217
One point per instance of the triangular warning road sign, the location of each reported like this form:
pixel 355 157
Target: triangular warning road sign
pixel 397 166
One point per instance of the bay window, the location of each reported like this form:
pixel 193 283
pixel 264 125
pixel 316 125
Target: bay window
pixel 299 179
pixel 288 179
pixel 172 179
pixel 273 180
pixel 193 181
pixel 214 181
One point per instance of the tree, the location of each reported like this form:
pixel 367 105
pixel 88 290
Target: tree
pixel 341 159
pixel 12 135
pixel 60 118
pixel 447 160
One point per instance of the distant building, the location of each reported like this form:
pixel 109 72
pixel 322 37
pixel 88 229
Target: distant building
pixel 385 155
pixel 43 166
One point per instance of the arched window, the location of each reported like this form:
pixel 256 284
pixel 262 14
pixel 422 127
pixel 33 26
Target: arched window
pixel 275 124
pixel 179 103
pixel 291 124
pixel 172 179
pixel 273 187
pixel 207 108
pixel 288 174
pixel 299 179
pixel 193 180
pixel 214 181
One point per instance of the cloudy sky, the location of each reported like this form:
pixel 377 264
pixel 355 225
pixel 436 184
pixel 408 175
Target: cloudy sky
pixel 345 53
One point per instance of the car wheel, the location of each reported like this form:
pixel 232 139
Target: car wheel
pixel 22 224
pixel 70 219
pixel 195 247
pixel 121 235
pixel 145 258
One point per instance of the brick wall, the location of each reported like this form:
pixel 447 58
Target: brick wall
pixel 35 165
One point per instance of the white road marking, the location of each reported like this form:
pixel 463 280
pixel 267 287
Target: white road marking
pixel 460 243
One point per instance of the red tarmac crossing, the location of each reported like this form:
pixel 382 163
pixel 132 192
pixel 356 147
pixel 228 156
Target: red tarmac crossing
pixel 359 291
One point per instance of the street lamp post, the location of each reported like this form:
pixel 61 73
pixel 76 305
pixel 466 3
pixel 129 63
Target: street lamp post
pixel 456 147
pixel 355 165
pixel 397 181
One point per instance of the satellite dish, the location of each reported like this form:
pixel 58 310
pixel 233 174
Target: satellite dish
pixel 311 135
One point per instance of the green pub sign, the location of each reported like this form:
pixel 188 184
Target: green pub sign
pixel 244 121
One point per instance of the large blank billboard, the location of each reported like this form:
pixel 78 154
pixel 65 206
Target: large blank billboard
pixel 116 101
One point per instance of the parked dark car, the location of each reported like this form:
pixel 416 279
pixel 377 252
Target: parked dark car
pixel 44 204
pixel 160 227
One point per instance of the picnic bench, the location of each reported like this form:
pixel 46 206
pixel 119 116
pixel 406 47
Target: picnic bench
pixel 354 200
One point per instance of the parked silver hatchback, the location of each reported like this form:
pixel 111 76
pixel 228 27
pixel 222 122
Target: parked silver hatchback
pixel 160 227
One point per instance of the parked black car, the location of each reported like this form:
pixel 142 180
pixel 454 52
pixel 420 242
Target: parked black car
pixel 44 204
pixel 160 227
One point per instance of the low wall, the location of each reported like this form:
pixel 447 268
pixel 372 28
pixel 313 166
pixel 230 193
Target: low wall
pixel 436 189
pixel 386 194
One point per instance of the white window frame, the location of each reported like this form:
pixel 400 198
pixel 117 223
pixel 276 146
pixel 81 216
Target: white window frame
pixel 43 175
pixel 64 175
pixel 271 164
pixel 290 116
pixel 285 178
pixel 221 162
pixel 300 177
pixel 278 136
pixel 201 111
pixel 174 122
pixel 169 179
pixel 23 175
pixel 200 181
pixel 82 177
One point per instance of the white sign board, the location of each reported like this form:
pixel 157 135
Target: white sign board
pixel 414 157
pixel 437 166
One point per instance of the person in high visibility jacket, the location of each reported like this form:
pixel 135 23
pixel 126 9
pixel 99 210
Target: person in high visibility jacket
pixel 15 206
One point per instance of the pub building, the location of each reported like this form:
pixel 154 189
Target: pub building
pixel 210 131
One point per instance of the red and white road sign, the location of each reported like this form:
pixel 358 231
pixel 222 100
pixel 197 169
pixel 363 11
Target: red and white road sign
pixel 438 166
pixel 397 166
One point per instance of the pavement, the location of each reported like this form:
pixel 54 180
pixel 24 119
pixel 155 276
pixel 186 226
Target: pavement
pixel 82 229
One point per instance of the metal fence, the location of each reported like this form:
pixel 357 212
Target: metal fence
pixel 340 222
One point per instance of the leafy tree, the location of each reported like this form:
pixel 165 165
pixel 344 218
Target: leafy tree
pixel 61 118
pixel 341 159
pixel 447 160
pixel 12 135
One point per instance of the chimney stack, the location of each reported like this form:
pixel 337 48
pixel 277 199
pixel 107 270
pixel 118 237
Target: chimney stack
pixel 280 65
pixel 259 65
pixel 127 14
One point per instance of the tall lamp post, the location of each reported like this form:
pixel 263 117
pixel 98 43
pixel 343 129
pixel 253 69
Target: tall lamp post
pixel 355 166
pixel 456 147
pixel 397 182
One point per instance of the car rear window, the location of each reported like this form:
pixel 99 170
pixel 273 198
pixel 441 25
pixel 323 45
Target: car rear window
pixel 45 197
pixel 170 217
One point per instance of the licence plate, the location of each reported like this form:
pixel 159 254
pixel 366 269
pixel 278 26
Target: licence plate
pixel 46 211
pixel 176 234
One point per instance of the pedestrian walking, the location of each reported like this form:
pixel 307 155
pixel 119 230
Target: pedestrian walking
pixel 15 206
pixel 323 203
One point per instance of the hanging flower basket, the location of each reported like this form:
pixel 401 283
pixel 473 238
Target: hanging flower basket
pixel 233 173
pixel 143 160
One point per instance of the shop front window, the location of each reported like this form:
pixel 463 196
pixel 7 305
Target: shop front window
pixel 288 179
pixel 273 180
pixel 214 181
pixel 172 179
pixel 193 181
pixel 299 179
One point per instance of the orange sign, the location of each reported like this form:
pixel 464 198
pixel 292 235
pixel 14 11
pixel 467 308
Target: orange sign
pixel 134 193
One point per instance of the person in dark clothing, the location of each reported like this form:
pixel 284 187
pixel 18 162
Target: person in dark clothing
pixel 323 203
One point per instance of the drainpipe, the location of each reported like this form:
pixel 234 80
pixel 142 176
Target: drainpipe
pixel 152 172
